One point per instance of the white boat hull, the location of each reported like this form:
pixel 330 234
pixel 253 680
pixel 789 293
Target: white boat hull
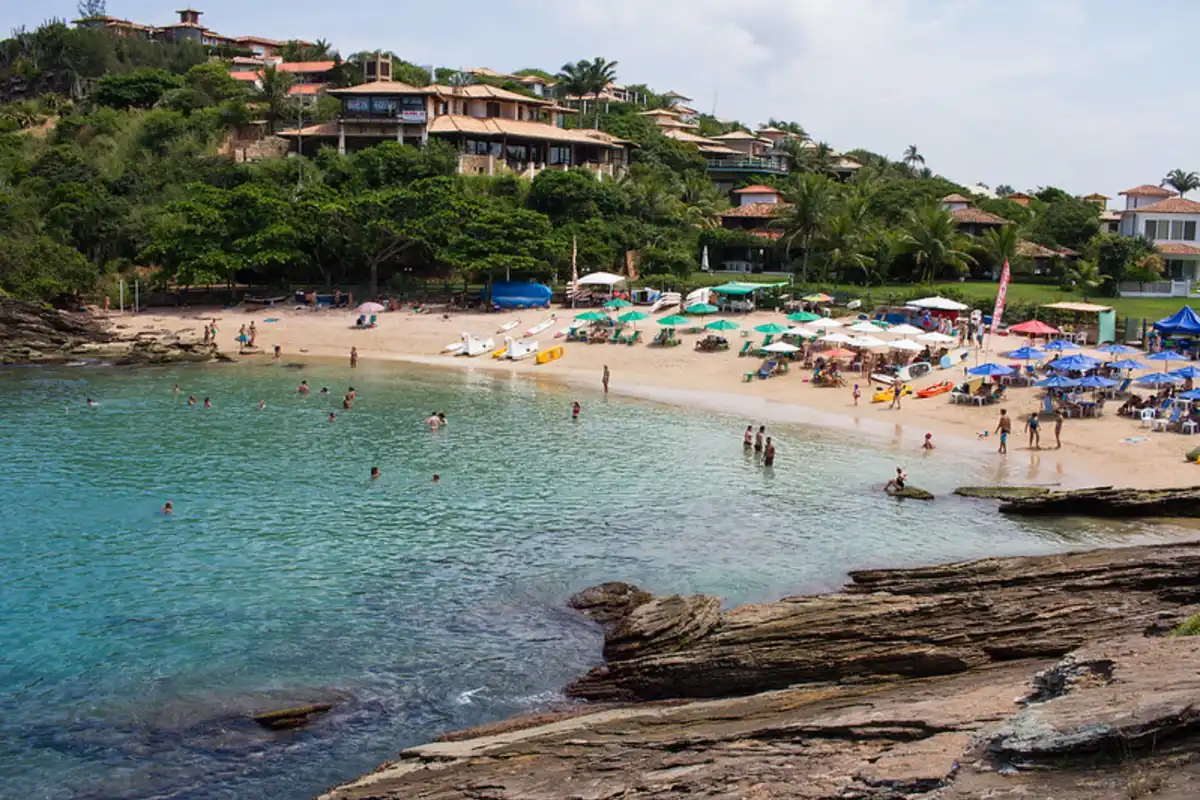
pixel 541 326
pixel 515 350
pixel 473 346
pixel 668 300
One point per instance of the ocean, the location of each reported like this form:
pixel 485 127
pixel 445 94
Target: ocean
pixel 135 644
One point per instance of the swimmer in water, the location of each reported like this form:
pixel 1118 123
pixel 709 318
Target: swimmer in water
pixel 433 422
pixel 207 403
pixel 303 387
pixel 167 507
pixel 347 403
pixel 332 417
pixel 437 478
pixel 575 409
pixel 374 473
pixel 353 395
pixel 324 390
pixel 191 400
pixel 442 419
pixel 262 405
pixel 177 388
pixel 91 403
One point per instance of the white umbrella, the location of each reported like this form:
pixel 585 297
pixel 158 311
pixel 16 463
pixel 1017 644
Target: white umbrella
pixel 937 304
pixel 905 344
pixel 781 347
pixel 825 323
pixel 905 330
pixel 704 259
pixel 865 327
pixel 936 338
pixel 837 338
pixel 806 333
pixel 370 308
pixel 868 341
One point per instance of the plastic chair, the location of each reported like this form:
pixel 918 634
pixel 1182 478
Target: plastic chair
pixel 1146 415
pixel 1162 423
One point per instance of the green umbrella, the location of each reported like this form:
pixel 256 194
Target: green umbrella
pixel 721 325
pixel 633 316
pixel 702 308
pixel 804 316
pixel 592 316
pixel 770 327
pixel 673 321
pixel 618 303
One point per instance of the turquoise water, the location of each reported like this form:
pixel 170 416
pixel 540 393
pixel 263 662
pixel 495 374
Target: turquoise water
pixel 134 643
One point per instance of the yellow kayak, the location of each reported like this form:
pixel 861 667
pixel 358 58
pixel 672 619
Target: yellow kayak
pixel 886 395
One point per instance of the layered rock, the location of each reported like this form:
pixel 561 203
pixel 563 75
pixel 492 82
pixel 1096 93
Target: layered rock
pixel 1109 502
pixel 895 623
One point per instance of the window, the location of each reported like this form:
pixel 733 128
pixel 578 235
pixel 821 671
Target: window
pixel 518 153
pixel 1151 229
pixel 1177 269
pixel 1189 231
pixel 383 106
pixel 1176 229
pixel 493 110
pixel 358 105
pixel 560 155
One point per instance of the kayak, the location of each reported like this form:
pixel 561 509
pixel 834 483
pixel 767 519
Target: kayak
pixel 936 389
pixel 886 395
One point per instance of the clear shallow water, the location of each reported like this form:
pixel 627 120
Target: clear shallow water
pixel 133 644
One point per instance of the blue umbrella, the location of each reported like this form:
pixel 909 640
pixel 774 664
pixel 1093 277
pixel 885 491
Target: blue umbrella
pixel 1118 350
pixel 1075 362
pixel 1096 382
pixel 990 370
pixel 1186 372
pixel 1061 344
pixel 1167 355
pixel 1057 382
pixel 1128 363
pixel 1158 379
pixel 1025 354
pixel 1194 394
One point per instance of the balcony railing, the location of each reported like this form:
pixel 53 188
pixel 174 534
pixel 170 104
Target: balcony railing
pixel 748 164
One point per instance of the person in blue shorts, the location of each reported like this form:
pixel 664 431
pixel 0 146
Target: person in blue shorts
pixel 1004 428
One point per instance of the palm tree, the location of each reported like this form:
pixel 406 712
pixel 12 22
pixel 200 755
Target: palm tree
pixel 572 81
pixel 702 202
pixel 912 157
pixel 1085 275
pixel 273 90
pixel 599 74
pixel 931 236
pixel 1004 190
pixel 1001 243
pixel 805 217
pixel 1182 182
pixel 821 159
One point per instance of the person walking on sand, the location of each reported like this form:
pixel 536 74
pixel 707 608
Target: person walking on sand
pixel 1004 428
pixel 748 438
pixel 769 454
pixel 353 358
pixel 857 393
pixel 1035 436
pixel 897 390
pixel 604 380
pixel 758 438
pixel 1058 423
pixel 278 352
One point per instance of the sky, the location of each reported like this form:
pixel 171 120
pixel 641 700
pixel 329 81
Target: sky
pixel 1086 95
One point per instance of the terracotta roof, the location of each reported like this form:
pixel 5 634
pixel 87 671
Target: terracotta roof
pixel 305 88
pixel 845 162
pixel 1020 195
pixel 1067 252
pixel 719 150
pixel 977 217
pixel 676 95
pixel 656 112
pixel 1148 190
pixel 680 135
pixel 488 73
pixel 258 40
pixel 955 198
pixel 305 66
pixel 757 188
pixel 764 233
pixel 740 135
pixel 534 79
pixel 770 129
pixel 674 123
pixel 1096 196
pixel 244 76
pixel 762 210
pixel 1177 249
pixel 1110 215
pixel 453 123
pixel 1172 205
pixel 482 91
pixel 384 87
pixel 1035 250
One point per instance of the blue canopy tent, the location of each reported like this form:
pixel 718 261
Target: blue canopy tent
pixel 1118 350
pixel 1189 371
pixel 1183 322
pixel 1158 379
pixel 1127 363
pixel 1096 382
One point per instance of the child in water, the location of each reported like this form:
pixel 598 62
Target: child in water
pixel 857 394
pixel 575 409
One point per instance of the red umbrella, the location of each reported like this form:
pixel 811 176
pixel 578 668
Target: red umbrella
pixel 1033 328
pixel 837 352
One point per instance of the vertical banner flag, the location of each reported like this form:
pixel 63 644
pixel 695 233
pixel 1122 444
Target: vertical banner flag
pixel 1001 296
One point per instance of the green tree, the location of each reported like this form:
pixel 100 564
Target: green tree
pixel 931 237
pixel 1067 223
pixel 912 157
pixel 1004 190
pixel 39 268
pixel 273 91
pixel 810 199
pixel 600 73
pixel 1115 255
pixel 573 80
pixel 1086 276
pixel 1182 181
pixel 139 89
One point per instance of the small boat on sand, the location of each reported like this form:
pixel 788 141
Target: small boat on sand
pixel 936 389
pixel 541 326
pixel 473 346
pixel 886 395
pixel 508 326
pixel 516 350
pixel 564 331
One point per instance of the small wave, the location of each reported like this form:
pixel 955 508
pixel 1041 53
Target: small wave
pixel 466 698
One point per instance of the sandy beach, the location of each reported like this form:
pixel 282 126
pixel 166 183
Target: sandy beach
pixel 1108 450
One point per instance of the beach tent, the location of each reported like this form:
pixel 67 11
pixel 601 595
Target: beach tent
pixel 673 321
pixel 803 316
pixel 864 327
pixel 1118 350
pixel 721 325
pixel 819 297
pixel 1106 317
pixel 1127 363
pixel 633 316
pixel 838 338
pixel 1096 382
pixel 591 316
pixel 802 332
pixel 1183 322
pixel 1159 379
pixel 935 338
pixel 1187 372
pixel 937 304
pixel 618 303
pixel 838 352
pixel 905 344
pixel 738 289
pixel 1033 328
pixel 700 309
pixel 990 370
pixel 868 341
pixel 771 328
pixel 1060 344
pixel 600 279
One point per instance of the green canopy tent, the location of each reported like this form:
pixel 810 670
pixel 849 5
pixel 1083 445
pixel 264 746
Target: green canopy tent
pixel 771 327
pixel 804 316
pixel 633 316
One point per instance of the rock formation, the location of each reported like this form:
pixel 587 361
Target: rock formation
pixel 1109 502
pixel 1001 492
pixel 893 623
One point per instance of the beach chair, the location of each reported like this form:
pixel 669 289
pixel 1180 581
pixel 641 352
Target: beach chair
pixel 617 337
pixel 1048 404
pixel 371 323
pixel 1124 387
pixel 770 338
pixel 946 362
pixel 1187 426
pixel 766 370
pixel 745 349
pixel 1162 423
pixel 634 338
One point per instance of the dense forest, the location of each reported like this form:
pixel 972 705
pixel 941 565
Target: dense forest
pixel 113 157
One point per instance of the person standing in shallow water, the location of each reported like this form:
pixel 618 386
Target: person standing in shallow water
pixel 353 358
pixel 758 438
pixel 769 454
pixel 1004 428
pixel 748 438
pixel 604 380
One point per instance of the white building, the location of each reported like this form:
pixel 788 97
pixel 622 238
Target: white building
pixel 1172 223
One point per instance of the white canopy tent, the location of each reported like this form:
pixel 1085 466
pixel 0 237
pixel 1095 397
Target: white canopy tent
pixel 868 341
pixel 937 304
pixel 837 338
pixel 600 279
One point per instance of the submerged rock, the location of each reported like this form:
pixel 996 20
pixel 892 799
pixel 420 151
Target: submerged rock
pixel 1001 492
pixel 911 493
pixel 291 717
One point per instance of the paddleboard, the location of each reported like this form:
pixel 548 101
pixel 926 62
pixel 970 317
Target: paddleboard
pixel 508 326
pixel 541 326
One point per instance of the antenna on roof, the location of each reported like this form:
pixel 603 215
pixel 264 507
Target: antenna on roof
pixel 714 109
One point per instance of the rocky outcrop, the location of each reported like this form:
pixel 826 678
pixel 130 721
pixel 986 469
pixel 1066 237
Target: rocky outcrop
pixel 1109 502
pixel 1125 730
pixel 1001 492
pixel 908 623
pixel 911 493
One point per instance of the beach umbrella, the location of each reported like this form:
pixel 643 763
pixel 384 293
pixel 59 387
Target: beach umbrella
pixel 1076 362
pixel 819 297
pixel 1118 350
pixel 838 352
pixel 864 327
pixel 371 308
pixel 633 316
pixel 868 341
pixel 936 338
pixel 1096 382
pixel 804 333
pixel 990 370
pixel 837 338
pixel 803 316
pixel 1158 379
pixel 905 329
pixel 1057 382
pixel 1060 344
pixel 700 309
pixel 825 322
pixel 1186 372
pixel 780 347
pixel 617 302
pixel 673 321
pixel 770 327
pixel 1127 363
pixel 1025 354
pixel 1167 355
pixel 721 325
pixel 1194 394
pixel 592 316
pixel 905 344
pixel 937 304
pixel 1033 328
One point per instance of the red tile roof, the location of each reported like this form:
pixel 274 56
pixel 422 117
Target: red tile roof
pixel 763 233
pixel 955 198
pixel 757 188
pixel 756 210
pixel 1172 205
pixel 305 66
pixel 1148 190
pixel 973 216
pixel 244 76
pixel 1020 195
pixel 258 40
pixel 1176 249
pixel 305 88
pixel 1035 250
